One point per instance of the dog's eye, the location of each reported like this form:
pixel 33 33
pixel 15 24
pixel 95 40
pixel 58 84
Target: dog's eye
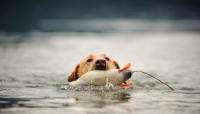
pixel 89 60
pixel 107 58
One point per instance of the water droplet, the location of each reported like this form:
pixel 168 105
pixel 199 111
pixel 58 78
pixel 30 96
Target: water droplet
pixel 108 85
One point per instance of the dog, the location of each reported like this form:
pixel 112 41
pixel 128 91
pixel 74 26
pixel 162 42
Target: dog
pixel 92 62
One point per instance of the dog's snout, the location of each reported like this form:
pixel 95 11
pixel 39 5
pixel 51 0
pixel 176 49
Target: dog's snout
pixel 100 64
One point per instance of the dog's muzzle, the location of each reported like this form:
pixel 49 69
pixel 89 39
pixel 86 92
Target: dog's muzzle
pixel 100 64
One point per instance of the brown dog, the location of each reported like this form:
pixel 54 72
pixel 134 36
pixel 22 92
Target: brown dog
pixel 93 62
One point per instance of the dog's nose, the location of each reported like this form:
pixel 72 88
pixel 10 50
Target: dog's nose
pixel 101 62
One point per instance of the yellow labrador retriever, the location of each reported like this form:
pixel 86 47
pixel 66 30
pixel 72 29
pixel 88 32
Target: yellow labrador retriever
pixel 93 62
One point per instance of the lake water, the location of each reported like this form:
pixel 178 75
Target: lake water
pixel 34 67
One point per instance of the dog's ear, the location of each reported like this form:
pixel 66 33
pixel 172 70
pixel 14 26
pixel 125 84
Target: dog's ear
pixel 74 74
pixel 116 65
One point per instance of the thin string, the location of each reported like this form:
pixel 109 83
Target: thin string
pixel 154 77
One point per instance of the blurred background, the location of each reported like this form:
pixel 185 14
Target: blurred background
pixel 95 15
pixel 41 42
pixel 37 35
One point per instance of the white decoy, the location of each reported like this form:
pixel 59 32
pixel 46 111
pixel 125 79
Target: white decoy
pixel 117 77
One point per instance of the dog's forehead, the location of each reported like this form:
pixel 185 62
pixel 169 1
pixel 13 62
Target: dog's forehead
pixel 96 55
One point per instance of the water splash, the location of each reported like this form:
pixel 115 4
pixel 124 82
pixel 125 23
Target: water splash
pixel 108 85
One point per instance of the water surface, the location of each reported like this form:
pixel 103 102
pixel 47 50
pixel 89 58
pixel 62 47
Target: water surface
pixel 34 68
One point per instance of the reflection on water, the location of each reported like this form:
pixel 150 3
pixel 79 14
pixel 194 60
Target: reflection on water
pixel 32 65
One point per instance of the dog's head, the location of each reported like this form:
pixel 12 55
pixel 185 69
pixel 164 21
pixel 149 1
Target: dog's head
pixel 93 62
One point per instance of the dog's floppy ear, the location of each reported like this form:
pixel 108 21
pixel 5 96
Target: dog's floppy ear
pixel 116 65
pixel 74 75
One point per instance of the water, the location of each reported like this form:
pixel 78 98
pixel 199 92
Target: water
pixel 34 68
